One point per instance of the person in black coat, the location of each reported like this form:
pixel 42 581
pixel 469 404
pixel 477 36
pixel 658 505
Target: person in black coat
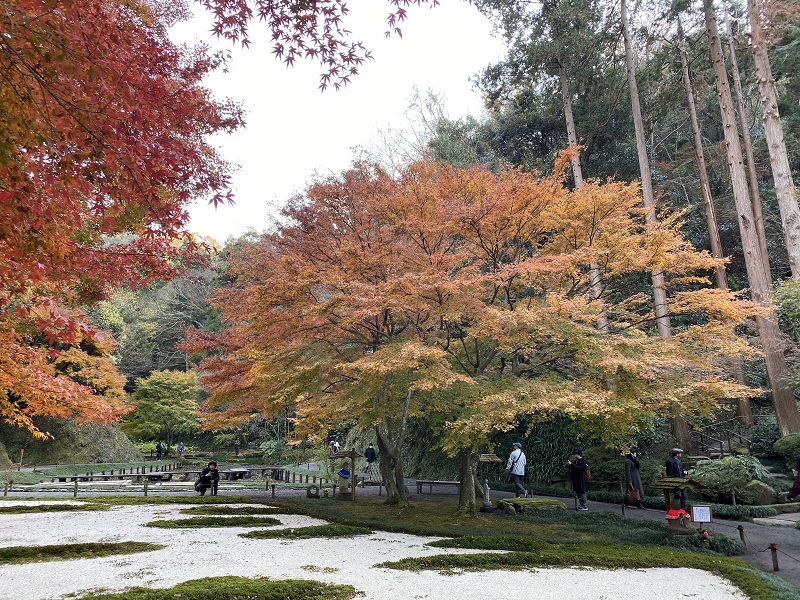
pixel 675 469
pixel 633 478
pixel 369 454
pixel 209 479
pixel 580 483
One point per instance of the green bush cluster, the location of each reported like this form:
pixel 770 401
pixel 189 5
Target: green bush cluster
pixel 788 447
pixel 763 435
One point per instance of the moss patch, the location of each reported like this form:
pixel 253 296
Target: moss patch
pixel 203 522
pixel 314 531
pixel 238 588
pixel 40 508
pixel 593 555
pixel 26 554
pixel 233 510
pixel 532 505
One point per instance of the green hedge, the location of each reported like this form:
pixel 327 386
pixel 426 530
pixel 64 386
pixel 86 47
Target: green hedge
pixel 725 511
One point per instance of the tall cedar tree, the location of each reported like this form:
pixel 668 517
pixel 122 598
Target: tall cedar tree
pixel 464 297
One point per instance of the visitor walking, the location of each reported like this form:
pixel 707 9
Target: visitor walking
pixel 159 450
pixel 634 490
pixel 236 444
pixel 675 469
pixel 516 467
pixel 580 482
pixel 181 449
pixel 369 454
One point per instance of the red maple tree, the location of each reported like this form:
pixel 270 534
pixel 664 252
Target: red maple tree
pixel 103 146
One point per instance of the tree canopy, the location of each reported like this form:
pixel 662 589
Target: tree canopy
pixel 379 294
pixel 103 147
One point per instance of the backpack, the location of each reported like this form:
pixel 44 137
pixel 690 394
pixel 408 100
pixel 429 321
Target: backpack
pixel 588 471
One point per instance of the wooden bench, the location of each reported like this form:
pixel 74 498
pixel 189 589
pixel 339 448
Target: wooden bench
pixel 235 474
pixel 430 483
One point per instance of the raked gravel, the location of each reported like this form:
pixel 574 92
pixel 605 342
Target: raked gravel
pixel 195 553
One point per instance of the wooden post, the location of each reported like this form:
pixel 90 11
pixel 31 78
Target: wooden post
pixel 5 489
pixel 352 474
pixel 146 481
pixel 75 489
pixel 273 490
pixel 741 532
pixel 774 550
pixel 623 509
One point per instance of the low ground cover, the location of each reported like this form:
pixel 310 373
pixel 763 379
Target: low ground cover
pixel 215 521
pixel 25 554
pixel 18 509
pixel 313 531
pixel 237 588
pixel 552 538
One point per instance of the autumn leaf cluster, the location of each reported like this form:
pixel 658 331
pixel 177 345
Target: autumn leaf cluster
pixel 381 294
pixel 101 150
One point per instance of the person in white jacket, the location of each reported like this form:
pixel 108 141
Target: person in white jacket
pixel 516 467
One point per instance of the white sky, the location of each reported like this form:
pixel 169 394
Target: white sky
pixel 294 130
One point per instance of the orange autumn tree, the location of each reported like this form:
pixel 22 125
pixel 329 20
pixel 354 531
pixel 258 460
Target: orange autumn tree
pixel 380 296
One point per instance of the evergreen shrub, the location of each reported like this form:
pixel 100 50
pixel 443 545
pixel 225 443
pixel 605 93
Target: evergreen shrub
pixel 788 447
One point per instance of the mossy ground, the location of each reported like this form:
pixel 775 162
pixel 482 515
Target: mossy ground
pixel 25 554
pixel 238 588
pixel 313 531
pixel 549 538
pixel 215 521
pixel 19 509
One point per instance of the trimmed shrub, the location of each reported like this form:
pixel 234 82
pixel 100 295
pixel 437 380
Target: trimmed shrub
pixel 788 447
pixel 533 505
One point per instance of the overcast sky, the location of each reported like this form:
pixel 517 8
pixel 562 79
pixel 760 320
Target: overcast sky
pixel 294 130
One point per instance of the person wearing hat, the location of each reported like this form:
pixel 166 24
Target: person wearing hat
pixel 516 467
pixel 675 469
pixel 580 482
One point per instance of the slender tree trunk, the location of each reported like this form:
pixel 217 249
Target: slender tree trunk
pixel 752 176
pixel 708 202
pixel 391 439
pixel 659 293
pixel 467 502
pixel 744 412
pixel 771 340
pixel 595 279
pixel 680 428
pixel 773 131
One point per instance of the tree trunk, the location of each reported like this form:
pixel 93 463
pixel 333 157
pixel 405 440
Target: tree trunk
pixel 391 439
pixel 705 186
pixel 773 131
pixel 595 280
pixel 680 429
pixel 390 462
pixel 659 293
pixel 755 196
pixel 782 397
pixel 467 503
pixel 743 410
